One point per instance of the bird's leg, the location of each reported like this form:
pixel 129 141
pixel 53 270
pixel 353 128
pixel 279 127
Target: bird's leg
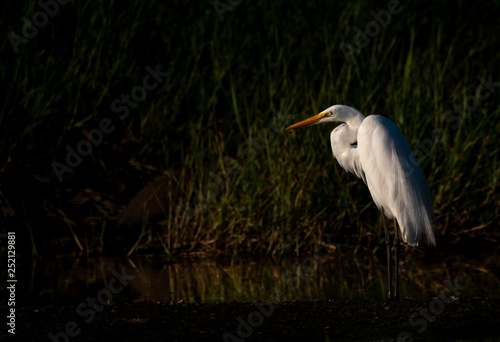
pixel 396 261
pixel 388 245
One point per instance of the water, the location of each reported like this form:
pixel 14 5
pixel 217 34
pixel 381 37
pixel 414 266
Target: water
pixel 67 280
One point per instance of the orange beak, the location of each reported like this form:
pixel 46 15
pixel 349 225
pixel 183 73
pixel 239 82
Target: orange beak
pixel 311 121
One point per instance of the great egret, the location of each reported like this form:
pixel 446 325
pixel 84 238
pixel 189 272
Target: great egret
pixel 375 150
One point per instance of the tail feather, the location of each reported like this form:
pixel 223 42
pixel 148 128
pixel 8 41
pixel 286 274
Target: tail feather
pixel 415 212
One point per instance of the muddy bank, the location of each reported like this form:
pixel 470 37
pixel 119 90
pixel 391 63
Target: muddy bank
pixel 434 320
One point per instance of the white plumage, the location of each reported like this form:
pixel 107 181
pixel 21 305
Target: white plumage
pixel 375 150
pixel 395 179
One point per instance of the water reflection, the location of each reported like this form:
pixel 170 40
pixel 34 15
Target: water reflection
pixel 206 280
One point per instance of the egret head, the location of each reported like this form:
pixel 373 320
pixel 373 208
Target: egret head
pixel 339 113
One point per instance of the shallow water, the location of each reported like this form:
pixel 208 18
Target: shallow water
pixel 66 280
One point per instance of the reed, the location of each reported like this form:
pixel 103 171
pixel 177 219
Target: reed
pixel 211 121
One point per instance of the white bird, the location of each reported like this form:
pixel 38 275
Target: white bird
pixel 375 150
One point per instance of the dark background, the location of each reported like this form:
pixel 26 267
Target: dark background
pixel 274 193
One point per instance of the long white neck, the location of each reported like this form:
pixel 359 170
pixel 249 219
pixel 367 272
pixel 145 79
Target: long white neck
pixel 344 140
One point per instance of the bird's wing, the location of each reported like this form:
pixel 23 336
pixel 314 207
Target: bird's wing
pixel 395 179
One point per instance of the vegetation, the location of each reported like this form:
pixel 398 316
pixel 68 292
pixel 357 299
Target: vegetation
pixel 213 125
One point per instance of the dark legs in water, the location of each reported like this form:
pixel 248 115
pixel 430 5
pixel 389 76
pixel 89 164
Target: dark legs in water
pixel 388 246
pixel 396 261
pixel 392 294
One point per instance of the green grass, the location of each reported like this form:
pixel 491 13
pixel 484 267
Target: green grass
pixel 227 80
